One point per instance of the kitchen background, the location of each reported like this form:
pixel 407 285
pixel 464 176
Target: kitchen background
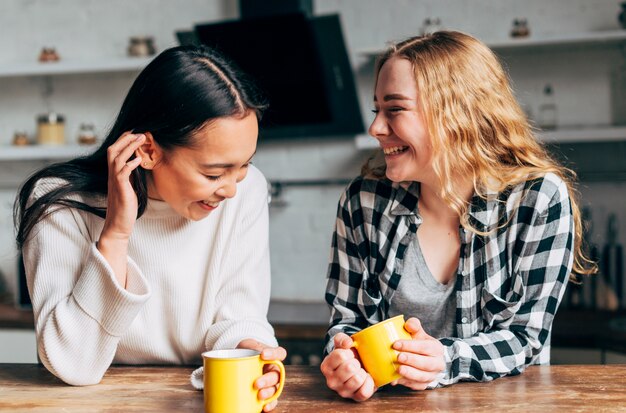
pixel 569 72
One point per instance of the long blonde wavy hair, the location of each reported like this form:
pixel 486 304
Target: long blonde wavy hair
pixel 476 126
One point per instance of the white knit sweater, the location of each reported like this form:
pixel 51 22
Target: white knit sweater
pixel 191 286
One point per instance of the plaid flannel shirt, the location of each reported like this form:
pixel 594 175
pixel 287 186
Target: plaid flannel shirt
pixel 509 282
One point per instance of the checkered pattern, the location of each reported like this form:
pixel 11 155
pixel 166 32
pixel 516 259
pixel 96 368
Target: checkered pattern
pixel 509 282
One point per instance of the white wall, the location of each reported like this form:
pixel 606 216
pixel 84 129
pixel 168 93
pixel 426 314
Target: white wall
pixel 300 230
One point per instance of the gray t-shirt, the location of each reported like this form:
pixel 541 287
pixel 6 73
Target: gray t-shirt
pixel 420 295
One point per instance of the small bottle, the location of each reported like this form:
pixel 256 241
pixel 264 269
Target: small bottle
pixel 426 24
pixel 547 116
pixel 436 25
pixel 20 138
pixel 86 134
pixel 520 28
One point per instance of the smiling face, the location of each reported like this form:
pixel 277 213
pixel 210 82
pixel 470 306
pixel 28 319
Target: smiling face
pixel 399 125
pixel 194 180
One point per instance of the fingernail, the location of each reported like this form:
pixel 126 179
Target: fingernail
pixel 402 358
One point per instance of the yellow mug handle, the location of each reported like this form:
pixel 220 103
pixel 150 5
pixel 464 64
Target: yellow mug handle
pixel 281 381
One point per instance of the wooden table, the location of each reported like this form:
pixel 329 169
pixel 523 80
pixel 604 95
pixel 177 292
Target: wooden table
pixel 30 388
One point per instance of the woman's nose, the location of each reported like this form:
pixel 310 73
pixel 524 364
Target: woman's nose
pixel 228 190
pixel 379 127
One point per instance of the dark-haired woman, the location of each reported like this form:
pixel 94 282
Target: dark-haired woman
pixel 155 248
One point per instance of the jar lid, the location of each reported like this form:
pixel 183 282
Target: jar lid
pixel 50 117
pixel 142 39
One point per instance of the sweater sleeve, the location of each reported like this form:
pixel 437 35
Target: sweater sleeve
pixel 244 292
pixel 80 310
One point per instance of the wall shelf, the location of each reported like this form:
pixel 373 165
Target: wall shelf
pixel 609 37
pixel 566 135
pixel 41 152
pixel 63 67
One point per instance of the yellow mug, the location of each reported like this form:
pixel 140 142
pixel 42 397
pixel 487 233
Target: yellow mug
pixel 229 377
pixel 374 343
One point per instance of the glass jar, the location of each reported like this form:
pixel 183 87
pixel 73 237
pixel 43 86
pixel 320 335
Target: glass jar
pixel 51 129
pixel 547 116
pixel 86 134
pixel 20 138
pixel 141 46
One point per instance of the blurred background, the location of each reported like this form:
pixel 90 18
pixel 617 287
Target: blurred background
pixel 66 65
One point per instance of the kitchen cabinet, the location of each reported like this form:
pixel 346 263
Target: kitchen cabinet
pixel 78 89
pixel 523 51
pixel 47 73
pixel 70 67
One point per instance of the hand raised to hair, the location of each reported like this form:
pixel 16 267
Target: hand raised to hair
pixel 122 202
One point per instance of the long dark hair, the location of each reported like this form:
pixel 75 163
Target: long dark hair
pixel 178 93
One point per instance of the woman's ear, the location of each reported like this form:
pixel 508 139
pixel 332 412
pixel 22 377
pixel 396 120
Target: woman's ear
pixel 149 151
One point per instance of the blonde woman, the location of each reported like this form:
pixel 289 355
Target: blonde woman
pixel 463 223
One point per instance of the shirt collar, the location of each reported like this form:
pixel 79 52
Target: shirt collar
pixel 481 208
pixel 406 194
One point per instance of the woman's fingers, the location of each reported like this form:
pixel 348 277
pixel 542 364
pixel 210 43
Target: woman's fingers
pixel 119 144
pixel 414 327
pixel 366 390
pixel 269 379
pixel 421 362
pixel 270 406
pixel 342 340
pixel 424 347
pixel 416 375
pixel 266 392
pixel 335 359
pixel 121 158
pixel 273 353
pixel 413 385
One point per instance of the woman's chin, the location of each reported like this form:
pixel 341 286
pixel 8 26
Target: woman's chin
pixel 395 176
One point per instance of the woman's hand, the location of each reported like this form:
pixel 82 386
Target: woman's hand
pixel 122 204
pixel 266 384
pixel 344 373
pixel 121 198
pixel 421 359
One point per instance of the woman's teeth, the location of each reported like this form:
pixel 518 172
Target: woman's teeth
pixel 395 150
pixel 211 204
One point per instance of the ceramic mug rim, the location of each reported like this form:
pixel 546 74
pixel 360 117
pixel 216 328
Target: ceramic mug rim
pixel 231 354
pixel 379 324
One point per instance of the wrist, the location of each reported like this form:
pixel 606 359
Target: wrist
pixel 111 235
pixel 111 242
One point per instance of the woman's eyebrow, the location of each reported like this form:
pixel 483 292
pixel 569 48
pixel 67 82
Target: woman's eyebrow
pixel 394 96
pixel 223 165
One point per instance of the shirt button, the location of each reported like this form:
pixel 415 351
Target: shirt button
pixel 464 320
pixel 463 273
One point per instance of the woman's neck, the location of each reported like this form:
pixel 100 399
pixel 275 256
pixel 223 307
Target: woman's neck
pixel 432 205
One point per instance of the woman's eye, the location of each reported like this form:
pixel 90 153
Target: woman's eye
pixel 375 110
pixel 213 177
pixel 395 109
